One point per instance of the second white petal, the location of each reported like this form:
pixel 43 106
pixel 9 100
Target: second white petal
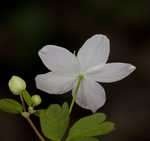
pixel 111 72
pixel 91 95
pixel 59 59
pixel 95 51
pixel 54 83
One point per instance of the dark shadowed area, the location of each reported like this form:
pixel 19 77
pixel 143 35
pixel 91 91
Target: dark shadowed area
pixel 25 27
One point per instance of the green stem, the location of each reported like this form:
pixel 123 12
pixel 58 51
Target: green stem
pixel 35 129
pixel 22 101
pixel 75 93
pixel 30 121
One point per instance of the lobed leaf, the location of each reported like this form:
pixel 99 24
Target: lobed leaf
pixel 54 121
pixel 90 126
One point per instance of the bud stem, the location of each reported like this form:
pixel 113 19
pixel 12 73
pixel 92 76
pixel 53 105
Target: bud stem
pixel 75 93
pixel 30 121
pixel 22 101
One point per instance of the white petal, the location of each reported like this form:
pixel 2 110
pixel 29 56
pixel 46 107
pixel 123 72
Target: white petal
pixel 111 72
pixel 91 95
pixel 95 51
pixel 54 83
pixel 59 59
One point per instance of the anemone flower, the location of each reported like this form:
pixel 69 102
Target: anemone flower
pixel 90 62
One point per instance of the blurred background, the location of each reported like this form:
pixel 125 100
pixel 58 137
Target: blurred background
pixel 25 27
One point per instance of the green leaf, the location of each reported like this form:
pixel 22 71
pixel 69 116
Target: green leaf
pixel 89 126
pixel 65 107
pixel 106 127
pixel 27 97
pixel 10 106
pixel 85 139
pixel 54 121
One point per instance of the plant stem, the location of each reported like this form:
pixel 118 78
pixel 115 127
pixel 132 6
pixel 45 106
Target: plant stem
pixel 22 101
pixel 35 129
pixel 75 93
pixel 30 121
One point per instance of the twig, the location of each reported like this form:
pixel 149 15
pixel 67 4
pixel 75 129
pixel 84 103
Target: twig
pixel 30 121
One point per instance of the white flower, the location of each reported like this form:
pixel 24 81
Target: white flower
pixel 90 62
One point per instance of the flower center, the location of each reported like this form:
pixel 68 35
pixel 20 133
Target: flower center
pixel 81 76
pixel 74 52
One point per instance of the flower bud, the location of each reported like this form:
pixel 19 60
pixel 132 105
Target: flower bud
pixel 16 85
pixel 36 100
pixel 31 110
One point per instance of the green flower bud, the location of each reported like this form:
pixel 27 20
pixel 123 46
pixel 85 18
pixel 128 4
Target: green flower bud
pixel 36 100
pixel 16 85
pixel 31 110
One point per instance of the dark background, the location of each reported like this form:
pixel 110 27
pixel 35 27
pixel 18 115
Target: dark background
pixel 25 27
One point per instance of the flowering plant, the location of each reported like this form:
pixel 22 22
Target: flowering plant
pixel 80 74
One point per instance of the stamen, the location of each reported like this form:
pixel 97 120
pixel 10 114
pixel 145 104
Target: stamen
pixel 74 52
